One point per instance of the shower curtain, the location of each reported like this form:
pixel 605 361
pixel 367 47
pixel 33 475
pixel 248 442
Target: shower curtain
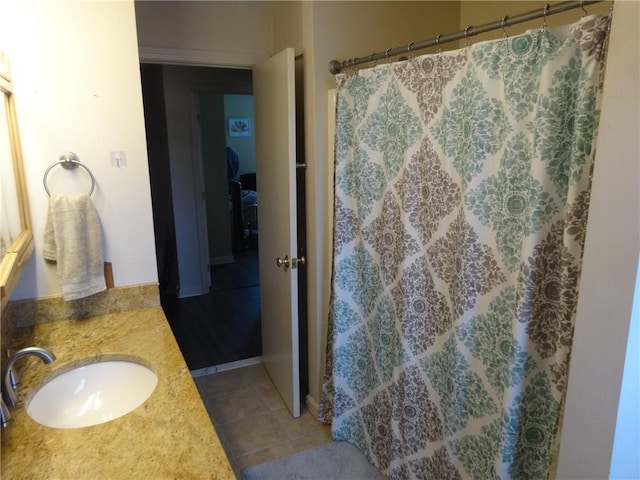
pixel 461 195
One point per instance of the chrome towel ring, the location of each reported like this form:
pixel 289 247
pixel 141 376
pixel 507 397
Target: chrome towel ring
pixel 68 160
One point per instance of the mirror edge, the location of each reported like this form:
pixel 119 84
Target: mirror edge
pixel 22 247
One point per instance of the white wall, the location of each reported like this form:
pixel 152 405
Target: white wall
pixel 222 33
pixel 77 87
pixel 611 254
pixel 478 12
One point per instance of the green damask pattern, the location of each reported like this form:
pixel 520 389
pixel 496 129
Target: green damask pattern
pixel 461 197
pixel 490 339
pixel 359 274
pixel 351 430
pixel 518 62
pixel 346 317
pixel 364 181
pixel 354 362
pixel 480 453
pixel 513 202
pixel 473 126
pixel 391 130
pixel 462 393
pixel 567 115
pixel 529 427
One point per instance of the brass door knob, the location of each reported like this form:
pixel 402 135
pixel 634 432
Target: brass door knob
pixel 283 261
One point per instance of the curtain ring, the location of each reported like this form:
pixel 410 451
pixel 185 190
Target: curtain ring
pixel 467 33
pixel 544 18
pixel 439 49
pixel 409 54
pixel 386 53
pixel 584 10
pixel 504 32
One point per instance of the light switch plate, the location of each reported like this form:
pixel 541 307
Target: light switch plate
pixel 118 158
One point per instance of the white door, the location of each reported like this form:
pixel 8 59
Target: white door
pixel 275 133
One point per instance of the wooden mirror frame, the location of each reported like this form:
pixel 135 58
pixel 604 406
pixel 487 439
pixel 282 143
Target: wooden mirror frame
pixel 21 248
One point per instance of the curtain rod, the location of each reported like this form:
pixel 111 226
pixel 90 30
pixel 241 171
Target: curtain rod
pixel 336 66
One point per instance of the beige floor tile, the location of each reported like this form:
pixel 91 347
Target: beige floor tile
pixel 223 382
pixel 266 455
pixel 297 427
pixel 315 439
pixel 253 434
pixel 256 374
pixel 270 395
pixel 236 405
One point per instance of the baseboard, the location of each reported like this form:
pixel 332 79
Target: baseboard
pixel 221 260
pixel 312 406
pixel 191 292
pixel 225 367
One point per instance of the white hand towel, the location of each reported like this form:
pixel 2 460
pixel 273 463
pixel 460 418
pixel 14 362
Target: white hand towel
pixel 72 238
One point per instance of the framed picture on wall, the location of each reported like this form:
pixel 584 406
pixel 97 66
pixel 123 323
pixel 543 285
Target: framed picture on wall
pixel 239 127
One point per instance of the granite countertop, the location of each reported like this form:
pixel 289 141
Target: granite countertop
pixel 169 436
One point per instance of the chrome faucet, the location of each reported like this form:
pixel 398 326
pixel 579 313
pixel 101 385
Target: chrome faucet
pixel 8 377
pixel 5 414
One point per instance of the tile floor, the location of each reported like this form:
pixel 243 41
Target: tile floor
pixel 251 419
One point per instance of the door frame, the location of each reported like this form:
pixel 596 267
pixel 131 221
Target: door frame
pixel 190 58
pixel 199 187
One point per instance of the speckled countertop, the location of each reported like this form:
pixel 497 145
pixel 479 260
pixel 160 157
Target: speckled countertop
pixel 169 436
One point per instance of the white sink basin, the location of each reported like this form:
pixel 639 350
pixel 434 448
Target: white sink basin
pixel 93 393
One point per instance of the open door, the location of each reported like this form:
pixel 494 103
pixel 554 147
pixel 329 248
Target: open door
pixel 275 140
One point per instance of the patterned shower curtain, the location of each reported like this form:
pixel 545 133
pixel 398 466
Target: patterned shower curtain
pixel 462 186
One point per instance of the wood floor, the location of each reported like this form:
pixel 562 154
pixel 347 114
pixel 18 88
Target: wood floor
pixel 224 325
